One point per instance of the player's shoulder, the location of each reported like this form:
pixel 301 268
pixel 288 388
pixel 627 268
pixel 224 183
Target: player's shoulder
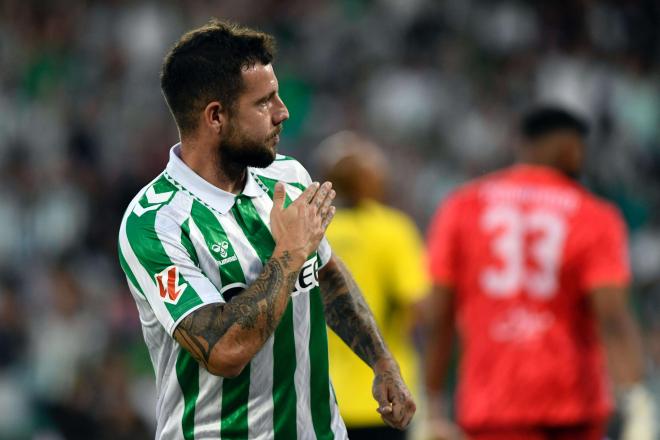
pixel 285 169
pixel 142 211
pixel 599 208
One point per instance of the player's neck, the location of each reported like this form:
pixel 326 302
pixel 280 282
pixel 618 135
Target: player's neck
pixel 206 163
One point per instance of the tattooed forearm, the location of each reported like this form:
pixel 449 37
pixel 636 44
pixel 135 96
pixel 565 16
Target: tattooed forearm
pixel 254 312
pixel 347 314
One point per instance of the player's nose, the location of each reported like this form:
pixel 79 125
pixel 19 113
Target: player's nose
pixel 280 112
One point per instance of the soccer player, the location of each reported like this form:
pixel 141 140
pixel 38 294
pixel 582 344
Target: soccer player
pixel 225 257
pixel 383 250
pixel 532 270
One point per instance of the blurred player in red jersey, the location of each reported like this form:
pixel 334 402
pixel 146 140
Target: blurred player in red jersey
pixel 531 270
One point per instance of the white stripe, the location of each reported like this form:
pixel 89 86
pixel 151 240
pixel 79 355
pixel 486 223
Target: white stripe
pixel 286 171
pixel 260 402
pixel 301 378
pixel 170 411
pixel 336 422
pixel 209 404
pixel 208 264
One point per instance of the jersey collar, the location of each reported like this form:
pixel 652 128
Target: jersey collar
pixel 217 198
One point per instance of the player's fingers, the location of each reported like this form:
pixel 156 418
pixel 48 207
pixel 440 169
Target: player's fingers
pixel 380 394
pixel 409 413
pixel 397 413
pixel 307 195
pixel 385 412
pixel 323 210
pixel 327 200
pixel 320 196
pixel 328 217
pixel 279 195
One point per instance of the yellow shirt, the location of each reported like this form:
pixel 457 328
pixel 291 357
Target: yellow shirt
pixel 383 250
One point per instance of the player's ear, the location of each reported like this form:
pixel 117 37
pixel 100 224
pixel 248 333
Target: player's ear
pixel 214 117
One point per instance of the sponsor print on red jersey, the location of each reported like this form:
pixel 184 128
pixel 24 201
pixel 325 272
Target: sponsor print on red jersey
pixel 522 249
pixel 168 285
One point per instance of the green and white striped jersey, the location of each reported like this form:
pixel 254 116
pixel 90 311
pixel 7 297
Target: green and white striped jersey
pixel 185 243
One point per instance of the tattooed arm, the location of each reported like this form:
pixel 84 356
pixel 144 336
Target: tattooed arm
pixel 348 315
pixel 225 337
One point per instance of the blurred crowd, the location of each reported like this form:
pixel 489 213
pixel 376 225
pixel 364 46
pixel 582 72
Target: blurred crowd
pixel 439 84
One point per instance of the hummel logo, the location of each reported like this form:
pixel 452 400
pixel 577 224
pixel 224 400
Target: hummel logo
pixel 221 248
pixel 228 260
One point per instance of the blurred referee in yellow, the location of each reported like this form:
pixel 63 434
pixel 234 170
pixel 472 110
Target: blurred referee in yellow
pixel 383 250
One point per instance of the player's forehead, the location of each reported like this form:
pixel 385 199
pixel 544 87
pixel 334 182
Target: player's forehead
pixel 258 79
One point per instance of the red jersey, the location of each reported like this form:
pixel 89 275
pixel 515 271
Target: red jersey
pixel 522 249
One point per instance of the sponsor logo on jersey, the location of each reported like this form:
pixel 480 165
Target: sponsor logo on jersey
pixel 168 285
pixel 221 248
pixel 308 278
pixel 228 260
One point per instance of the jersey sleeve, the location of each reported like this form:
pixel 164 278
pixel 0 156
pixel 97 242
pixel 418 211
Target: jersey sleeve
pixel 442 245
pixel 160 263
pixel 605 259
pixel 407 275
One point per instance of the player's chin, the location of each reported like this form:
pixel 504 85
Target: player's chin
pixel 265 157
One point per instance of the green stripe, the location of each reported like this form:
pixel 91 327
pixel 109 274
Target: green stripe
pixel 300 186
pixel 318 360
pixel 127 270
pixel 234 413
pixel 144 240
pixel 187 372
pixel 270 184
pixel 235 391
pixel 284 352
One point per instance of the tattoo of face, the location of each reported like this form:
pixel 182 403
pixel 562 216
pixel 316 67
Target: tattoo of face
pixel 348 315
pixel 254 309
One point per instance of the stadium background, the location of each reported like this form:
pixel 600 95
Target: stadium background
pixel 438 83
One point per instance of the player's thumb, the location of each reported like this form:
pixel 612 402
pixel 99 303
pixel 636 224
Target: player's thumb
pixel 279 195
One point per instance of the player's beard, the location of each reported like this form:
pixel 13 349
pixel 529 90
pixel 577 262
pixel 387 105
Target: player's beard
pixel 239 151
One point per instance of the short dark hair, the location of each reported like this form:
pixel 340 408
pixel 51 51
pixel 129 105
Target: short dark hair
pixel 544 120
pixel 205 65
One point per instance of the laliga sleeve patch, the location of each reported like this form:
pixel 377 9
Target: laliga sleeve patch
pixel 168 285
